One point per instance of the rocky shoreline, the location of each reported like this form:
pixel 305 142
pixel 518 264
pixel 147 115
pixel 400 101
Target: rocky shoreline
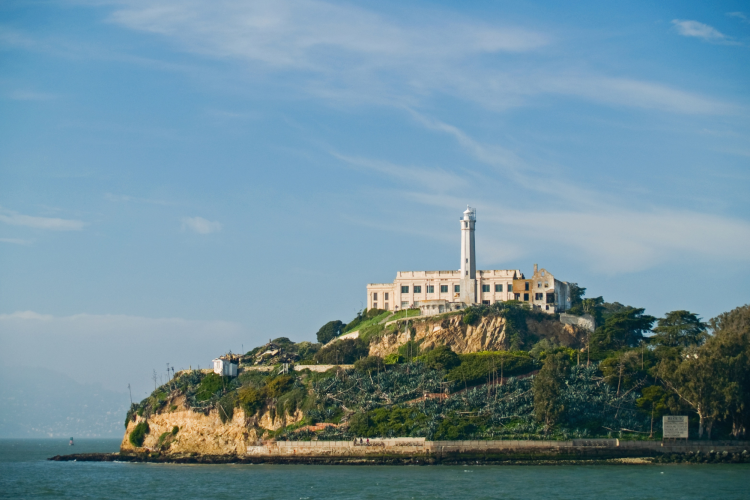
pixel 385 459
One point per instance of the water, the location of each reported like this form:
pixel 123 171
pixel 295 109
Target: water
pixel 25 473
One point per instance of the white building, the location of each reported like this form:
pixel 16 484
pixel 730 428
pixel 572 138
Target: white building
pixel 225 367
pixel 441 291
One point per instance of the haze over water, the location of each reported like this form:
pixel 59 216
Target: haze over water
pixel 25 473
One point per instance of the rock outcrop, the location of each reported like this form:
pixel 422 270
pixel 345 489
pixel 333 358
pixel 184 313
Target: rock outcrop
pixel 487 334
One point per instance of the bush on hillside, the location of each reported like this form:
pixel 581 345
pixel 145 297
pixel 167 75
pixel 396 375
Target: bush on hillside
pixel 342 352
pixel 138 434
pixel 369 364
pixel 441 358
pixel 278 385
pixel 393 359
pixel 209 386
pixel 476 367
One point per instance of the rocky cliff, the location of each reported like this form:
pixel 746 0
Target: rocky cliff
pixel 489 333
pixel 204 433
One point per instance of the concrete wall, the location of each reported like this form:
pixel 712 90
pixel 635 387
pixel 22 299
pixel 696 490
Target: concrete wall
pixel 420 447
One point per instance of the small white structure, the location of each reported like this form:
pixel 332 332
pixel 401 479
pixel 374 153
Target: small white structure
pixel 225 367
pixel 438 306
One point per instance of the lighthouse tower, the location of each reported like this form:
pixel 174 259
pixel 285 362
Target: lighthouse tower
pixel 468 285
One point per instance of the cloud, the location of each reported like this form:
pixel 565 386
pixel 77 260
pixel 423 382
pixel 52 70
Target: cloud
pixel 15 241
pixel 356 56
pixel 200 225
pixel 81 345
pixel 125 199
pixel 51 223
pixel 697 30
pixel 29 95
pixel 739 15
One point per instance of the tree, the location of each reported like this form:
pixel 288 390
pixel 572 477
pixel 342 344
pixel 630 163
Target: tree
pixel 549 384
pixel 731 344
pixel 330 331
pixel 679 329
pixel 654 400
pixel 624 328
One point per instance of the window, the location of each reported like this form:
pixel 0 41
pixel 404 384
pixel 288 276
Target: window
pixel 539 284
pixel 551 298
pixel 466 224
pixel 456 288
pixel 404 305
pixel 375 296
pixel 430 288
pixel 498 288
pixel 467 273
pixel 538 296
pixel 517 296
pixel 485 288
pixel 385 296
pixel 546 308
pixel 404 289
pixel 486 302
pixel 443 288
pixel 527 286
pixel 386 306
pixel 546 285
pixel 417 289
pixel 374 305
pixel 543 275
pixel 510 287
pixel 525 297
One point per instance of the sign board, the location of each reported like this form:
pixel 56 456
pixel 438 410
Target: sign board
pixel 675 426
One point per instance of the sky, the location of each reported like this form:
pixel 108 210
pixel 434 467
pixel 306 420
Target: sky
pixel 181 178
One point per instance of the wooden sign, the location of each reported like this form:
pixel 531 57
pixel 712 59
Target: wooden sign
pixel 675 426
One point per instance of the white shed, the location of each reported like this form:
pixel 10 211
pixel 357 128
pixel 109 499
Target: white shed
pixel 225 367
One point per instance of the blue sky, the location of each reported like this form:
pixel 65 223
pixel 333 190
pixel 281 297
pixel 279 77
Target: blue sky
pixel 180 178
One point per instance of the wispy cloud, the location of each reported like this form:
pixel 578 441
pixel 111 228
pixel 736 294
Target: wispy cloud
pixel 739 15
pixel 51 223
pixel 353 55
pixel 125 198
pixel 697 30
pixel 30 95
pixel 200 225
pixel 15 241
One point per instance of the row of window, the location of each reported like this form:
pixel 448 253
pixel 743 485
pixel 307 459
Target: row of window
pixel 375 296
pixel 375 305
pixel 444 289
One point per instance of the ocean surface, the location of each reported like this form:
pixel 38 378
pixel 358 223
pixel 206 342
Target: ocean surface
pixel 25 473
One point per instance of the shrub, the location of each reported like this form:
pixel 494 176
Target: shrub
pixel 393 359
pixel 470 318
pixel 175 430
pixel 475 367
pixel 343 352
pixel 441 358
pixel 210 385
pixel 250 399
pixel 369 364
pixel 138 434
pixel 278 386
pixel 226 406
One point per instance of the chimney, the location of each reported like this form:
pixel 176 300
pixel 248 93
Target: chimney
pixel 536 268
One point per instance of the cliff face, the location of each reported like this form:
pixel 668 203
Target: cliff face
pixel 206 434
pixel 488 334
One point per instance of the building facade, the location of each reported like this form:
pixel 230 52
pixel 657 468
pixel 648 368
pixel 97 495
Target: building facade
pixel 434 292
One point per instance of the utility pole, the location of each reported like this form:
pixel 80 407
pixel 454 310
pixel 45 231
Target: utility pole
pixel 155 378
pixel 131 395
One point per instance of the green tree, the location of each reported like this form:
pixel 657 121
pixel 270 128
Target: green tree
pixel 679 329
pixel 654 400
pixel 549 385
pixel 731 345
pixel 624 328
pixel 330 331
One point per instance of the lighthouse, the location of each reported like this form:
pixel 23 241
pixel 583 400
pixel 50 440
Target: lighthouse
pixel 468 292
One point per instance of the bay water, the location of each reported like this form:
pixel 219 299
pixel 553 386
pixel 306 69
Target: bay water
pixel 25 472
